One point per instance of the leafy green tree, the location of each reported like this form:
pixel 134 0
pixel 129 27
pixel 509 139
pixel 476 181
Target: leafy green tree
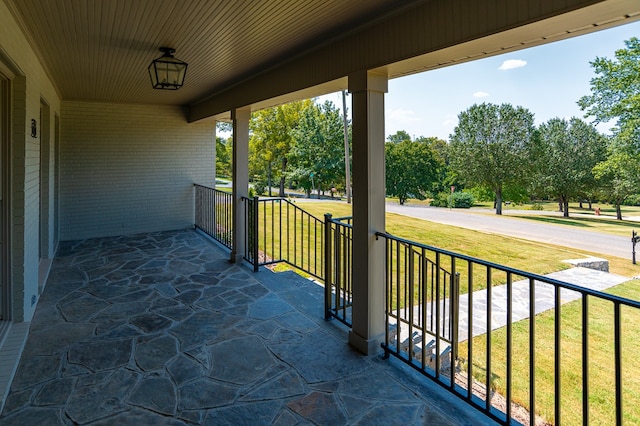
pixel 615 91
pixel 224 126
pixel 443 179
pixel 569 150
pixel 317 156
pixel 619 174
pixel 491 146
pixel 271 140
pixel 615 95
pixel 411 170
pixel 399 136
pixel 223 157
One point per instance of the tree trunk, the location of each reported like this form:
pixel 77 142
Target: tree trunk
pixel 590 204
pixel 618 210
pixel 565 204
pixel 282 172
pixel 499 201
pixel 560 205
pixel 581 203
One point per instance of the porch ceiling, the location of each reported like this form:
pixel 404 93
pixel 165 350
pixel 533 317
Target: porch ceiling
pixel 99 50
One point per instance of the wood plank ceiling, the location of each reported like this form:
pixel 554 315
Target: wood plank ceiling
pixel 99 50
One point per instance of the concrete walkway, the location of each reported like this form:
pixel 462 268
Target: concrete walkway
pixel 544 298
pixel 160 329
pixel 521 308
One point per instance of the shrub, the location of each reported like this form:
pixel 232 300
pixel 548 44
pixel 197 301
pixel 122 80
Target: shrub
pixel 458 200
pixel 462 200
pixel 632 200
pixel 536 206
pixel 440 200
pixel 260 187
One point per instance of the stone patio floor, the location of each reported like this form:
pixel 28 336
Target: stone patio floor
pixel 160 329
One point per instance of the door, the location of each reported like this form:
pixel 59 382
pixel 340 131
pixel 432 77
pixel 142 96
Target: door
pixel 4 141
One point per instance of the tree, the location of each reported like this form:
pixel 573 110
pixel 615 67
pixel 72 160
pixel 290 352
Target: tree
pixel 223 157
pixel 442 179
pixel 317 156
pixel 491 146
pixel 224 126
pixel 615 95
pixel 615 91
pixel 619 173
pixel 271 140
pixel 399 136
pixel 411 170
pixel 569 150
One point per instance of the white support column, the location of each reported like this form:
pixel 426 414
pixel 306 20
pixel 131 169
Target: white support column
pixel 368 91
pixel 215 153
pixel 240 176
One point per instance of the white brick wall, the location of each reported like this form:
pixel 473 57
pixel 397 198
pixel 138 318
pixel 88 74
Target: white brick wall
pixel 28 87
pixel 127 169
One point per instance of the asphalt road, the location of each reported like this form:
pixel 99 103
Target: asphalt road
pixel 485 221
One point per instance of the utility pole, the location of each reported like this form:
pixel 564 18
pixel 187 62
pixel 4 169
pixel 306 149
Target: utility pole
pixel 347 167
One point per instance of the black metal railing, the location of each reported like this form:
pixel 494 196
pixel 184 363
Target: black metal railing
pixel 521 336
pixel 338 296
pixel 421 306
pixel 214 213
pixel 279 231
pixel 520 347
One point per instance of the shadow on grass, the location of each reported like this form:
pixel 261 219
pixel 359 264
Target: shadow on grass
pixel 582 222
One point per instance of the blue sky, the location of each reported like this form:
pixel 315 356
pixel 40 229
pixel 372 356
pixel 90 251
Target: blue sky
pixel 547 80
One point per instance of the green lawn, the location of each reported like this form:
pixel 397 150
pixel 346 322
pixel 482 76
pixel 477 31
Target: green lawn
pixel 601 362
pixel 580 218
pixel 540 258
pixel 508 251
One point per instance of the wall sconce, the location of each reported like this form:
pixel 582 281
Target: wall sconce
pixel 34 128
pixel 167 72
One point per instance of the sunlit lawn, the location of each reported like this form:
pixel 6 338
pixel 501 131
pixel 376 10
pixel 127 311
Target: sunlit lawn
pixel 578 218
pixel 601 361
pixel 541 259
pixel 529 256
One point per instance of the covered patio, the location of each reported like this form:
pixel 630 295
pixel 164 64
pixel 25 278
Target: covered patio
pixel 160 328
pixel 133 317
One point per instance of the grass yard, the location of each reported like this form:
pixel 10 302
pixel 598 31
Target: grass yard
pixel 540 258
pixel 508 251
pixel 609 225
pixel 578 218
pixel 601 362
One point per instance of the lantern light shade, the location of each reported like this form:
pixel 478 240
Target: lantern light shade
pixel 167 72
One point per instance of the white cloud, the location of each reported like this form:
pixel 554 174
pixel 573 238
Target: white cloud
pixel 480 94
pixel 450 122
pixel 403 116
pixel 510 64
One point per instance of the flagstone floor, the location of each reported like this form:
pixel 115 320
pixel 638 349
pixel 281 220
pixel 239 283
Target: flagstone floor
pixel 160 329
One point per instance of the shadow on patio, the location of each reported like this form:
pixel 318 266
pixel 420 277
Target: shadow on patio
pixel 161 329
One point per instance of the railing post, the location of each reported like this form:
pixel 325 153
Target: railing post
pixel 327 266
pixel 254 231
pixel 455 315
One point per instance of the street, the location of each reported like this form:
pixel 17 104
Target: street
pixel 592 241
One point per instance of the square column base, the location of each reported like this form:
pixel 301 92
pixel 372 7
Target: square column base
pixel 236 257
pixel 366 346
